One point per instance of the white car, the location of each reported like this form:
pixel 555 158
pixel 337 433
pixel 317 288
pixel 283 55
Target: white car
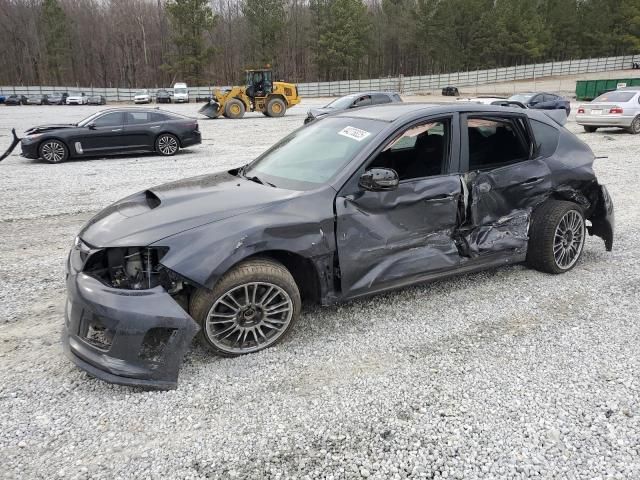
pixel 77 98
pixel 142 96
pixel 619 108
pixel 180 93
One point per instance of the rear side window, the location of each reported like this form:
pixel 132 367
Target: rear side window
pixel 546 138
pixel 379 98
pixel 494 143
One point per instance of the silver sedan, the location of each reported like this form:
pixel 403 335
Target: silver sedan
pixel 619 108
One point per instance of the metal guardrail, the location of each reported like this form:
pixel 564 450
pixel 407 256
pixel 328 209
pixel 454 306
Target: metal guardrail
pixel 402 84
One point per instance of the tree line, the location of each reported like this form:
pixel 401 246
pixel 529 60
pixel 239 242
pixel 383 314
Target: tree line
pixel 153 43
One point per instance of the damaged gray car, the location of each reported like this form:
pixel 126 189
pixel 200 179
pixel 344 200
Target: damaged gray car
pixel 360 202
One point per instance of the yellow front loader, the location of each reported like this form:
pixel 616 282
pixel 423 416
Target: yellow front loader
pixel 260 95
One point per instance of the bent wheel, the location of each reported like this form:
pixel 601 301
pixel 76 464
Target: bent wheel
pixel 54 151
pixel 167 145
pixel 556 237
pixel 251 308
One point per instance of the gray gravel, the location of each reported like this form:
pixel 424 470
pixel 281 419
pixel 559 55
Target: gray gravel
pixel 508 373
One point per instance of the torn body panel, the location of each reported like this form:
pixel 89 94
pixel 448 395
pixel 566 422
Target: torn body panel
pixel 129 337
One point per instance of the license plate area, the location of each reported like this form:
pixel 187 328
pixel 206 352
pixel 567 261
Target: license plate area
pixel 596 112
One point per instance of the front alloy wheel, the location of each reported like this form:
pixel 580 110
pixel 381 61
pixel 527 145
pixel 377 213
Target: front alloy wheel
pixel 167 145
pixel 251 308
pixel 54 151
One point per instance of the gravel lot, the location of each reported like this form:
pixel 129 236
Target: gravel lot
pixel 508 373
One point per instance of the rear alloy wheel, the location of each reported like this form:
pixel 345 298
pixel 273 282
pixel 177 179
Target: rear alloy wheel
pixel 234 109
pixel 54 151
pixel 167 145
pixel 276 107
pixel 251 308
pixel 635 126
pixel 556 237
pixel 589 129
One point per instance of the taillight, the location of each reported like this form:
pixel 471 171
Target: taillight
pixel 616 110
pixel 581 110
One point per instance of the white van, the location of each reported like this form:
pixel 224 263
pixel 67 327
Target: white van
pixel 180 93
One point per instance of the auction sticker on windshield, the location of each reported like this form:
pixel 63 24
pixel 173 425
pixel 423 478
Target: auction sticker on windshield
pixel 354 133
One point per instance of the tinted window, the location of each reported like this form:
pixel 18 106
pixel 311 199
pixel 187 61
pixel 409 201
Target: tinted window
pixel 396 97
pixel 137 118
pixel 615 96
pixel 363 101
pixel 546 138
pixel 109 120
pixel 379 98
pixel 494 143
pixel 420 151
pixel 549 98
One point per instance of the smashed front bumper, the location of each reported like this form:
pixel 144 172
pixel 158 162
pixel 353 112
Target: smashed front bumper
pixel 128 337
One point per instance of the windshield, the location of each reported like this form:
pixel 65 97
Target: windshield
pixel 341 103
pixel 75 94
pixel 314 154
pixel 521 97
pixel 179 90
pixel 142 92
pixel 620 96
pixel 89 119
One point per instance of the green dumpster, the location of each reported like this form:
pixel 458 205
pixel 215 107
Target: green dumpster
pixel 590 89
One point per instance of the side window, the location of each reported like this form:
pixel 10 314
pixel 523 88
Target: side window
pixel 494 143
pixel 380 98
pixel 362 101
pixel 548 98
pixel 396 97
pixel 420 151
pixel 109 120
pixel 546 136
pixel 158 117
pixel 535 99
pixel 137 118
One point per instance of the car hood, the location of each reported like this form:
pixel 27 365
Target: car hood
pixel 48 128
pixel 159 212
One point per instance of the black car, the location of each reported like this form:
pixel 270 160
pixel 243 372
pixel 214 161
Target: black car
pixel 163 96
pixel 16 100
pixel 358 203
pixel 450 92
pixel 112 132
pixel 96 100
pixel 58 98
pixel 355 100
pixel 542 101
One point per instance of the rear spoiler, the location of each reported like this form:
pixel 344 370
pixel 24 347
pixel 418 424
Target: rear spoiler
pixel 559 115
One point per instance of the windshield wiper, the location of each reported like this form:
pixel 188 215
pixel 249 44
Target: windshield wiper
pixel 254 178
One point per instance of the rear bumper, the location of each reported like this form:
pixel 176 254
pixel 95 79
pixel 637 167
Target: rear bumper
pixel 127 337
pixel 194 139
pixel 604 120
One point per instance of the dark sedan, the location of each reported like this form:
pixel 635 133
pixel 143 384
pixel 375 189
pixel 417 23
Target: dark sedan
pixel 112 132
pixel 355 100
pixel 16 100
pixel 163 96
pixel 358 203
pixel 542 101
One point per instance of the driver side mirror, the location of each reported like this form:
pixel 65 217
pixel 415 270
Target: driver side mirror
pixel 379 180
pixel 91 126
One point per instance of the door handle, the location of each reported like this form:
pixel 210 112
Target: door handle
pixel 116 129
pixel 155 126
pixel 533 181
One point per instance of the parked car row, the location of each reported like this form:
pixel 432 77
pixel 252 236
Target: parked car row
pixel 55 99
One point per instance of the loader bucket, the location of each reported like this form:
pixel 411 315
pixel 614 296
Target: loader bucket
pixel 210 109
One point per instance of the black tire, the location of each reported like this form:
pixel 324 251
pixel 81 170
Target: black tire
pixel 635 126
pixel 234 109
pixel 589 129
pixel 546 240
pixel 53 151
pixel 276 107
pixel 167 144
pixel 258 272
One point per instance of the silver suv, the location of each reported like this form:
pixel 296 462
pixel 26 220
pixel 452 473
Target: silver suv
pixel 618 108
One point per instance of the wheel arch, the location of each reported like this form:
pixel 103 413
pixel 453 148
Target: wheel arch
pixel 65 142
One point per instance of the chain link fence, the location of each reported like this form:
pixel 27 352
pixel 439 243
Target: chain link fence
pixel 401 84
